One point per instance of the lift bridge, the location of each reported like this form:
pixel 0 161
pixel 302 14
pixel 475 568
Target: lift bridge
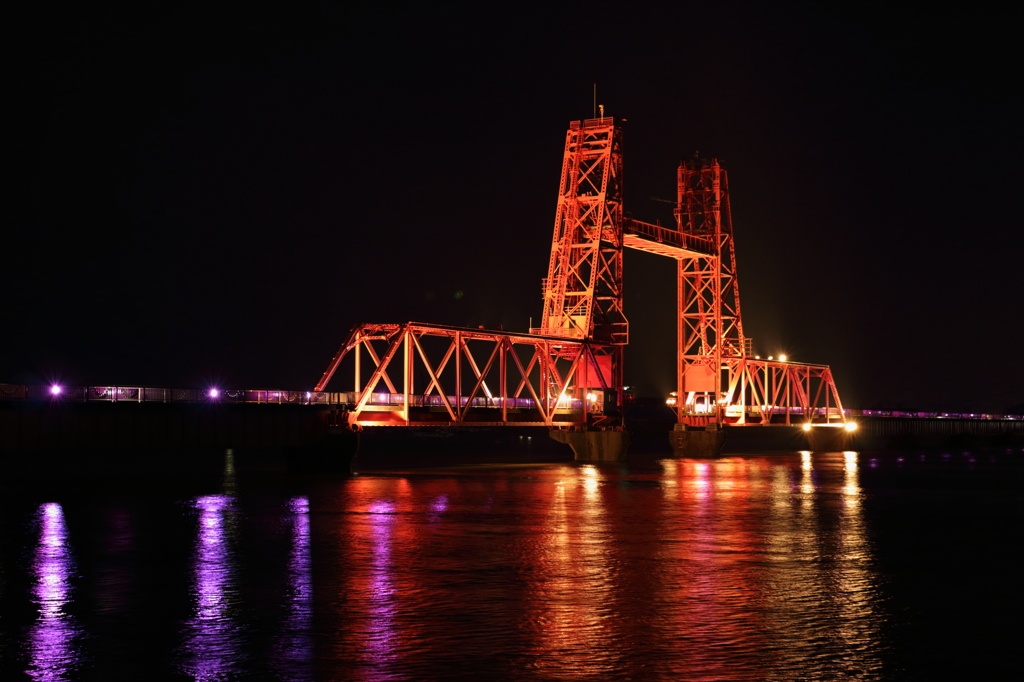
pixel 567 373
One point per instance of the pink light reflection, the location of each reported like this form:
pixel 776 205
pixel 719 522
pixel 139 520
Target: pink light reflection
pixel 382 638
pixel 293 652
pixel 438 506
pixel 53 654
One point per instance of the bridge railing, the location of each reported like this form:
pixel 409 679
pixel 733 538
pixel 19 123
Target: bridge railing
pixel 111 394
pixel 667 235
pixel 149 394
pixel 495 402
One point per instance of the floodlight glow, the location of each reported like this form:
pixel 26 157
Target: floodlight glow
pixel 55 390
pixel 591 397
pixel 807 427
pixel 214 393
pixel 782 358
pixel 771 357
pixel 850 426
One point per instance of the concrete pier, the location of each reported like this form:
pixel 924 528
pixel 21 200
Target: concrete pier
pixel 595 446
pixel 696 441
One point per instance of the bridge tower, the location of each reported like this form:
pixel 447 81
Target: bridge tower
pixel 583 287
pixel 710 328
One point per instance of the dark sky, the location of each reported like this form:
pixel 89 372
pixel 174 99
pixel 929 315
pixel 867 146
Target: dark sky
pixel 218 197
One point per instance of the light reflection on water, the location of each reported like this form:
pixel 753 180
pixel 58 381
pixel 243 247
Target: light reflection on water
pixel 293 653
pixel 212 637
pixel 731 569
pixel 569 608
pixel 54 655
pixel 381 633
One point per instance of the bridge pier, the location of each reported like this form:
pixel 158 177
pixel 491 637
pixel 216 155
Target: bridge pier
pixel 831 439
pixel 595 446
pixel 694 441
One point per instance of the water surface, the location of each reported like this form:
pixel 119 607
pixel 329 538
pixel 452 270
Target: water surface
pixel 819 567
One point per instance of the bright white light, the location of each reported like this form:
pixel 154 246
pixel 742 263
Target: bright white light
pixel 782 358
pixel 214 393
pixel 807 427
pixel 770 357
pixel 850 426
pixel 591 397
pixel 55 390
pixel 757 357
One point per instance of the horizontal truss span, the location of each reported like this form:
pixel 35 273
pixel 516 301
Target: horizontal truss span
pixel 416 374
pixel 762 392
pixel 665 241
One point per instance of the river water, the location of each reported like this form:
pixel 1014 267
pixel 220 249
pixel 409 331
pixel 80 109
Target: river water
pixel 796 566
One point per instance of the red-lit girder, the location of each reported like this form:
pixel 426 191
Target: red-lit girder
pixel 665 241
pixel 763 392
pixel 436 375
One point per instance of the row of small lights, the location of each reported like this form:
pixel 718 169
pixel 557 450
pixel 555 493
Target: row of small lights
pixel 56 390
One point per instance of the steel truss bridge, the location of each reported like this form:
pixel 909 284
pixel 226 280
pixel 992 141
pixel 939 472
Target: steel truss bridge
pixel 568 372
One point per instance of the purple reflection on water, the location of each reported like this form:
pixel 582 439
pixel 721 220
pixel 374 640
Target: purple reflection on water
pixel 211 641
pixel 294 650
pixel 382 638
pixel 53 654
pixel 437 507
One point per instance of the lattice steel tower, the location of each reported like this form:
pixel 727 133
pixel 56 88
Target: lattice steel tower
pixel 583 288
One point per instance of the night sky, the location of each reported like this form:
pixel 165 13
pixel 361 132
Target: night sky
pixel 217 197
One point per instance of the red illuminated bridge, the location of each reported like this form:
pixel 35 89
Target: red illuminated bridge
pixel 567 373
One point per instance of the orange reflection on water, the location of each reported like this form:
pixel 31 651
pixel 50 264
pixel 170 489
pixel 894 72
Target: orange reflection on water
pixel 738 568
pixel 709 588
pixel 824 585
pixel 569 606
pixel 373 531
